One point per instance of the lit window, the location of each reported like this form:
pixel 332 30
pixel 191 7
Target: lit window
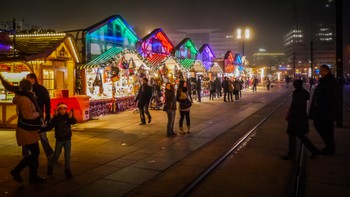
pixel 48 80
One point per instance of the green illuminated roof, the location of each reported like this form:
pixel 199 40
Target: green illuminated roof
pixel 187 63
pixel 103 58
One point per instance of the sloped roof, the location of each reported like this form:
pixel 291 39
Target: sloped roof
pixel 98 25
pixel 206 46
pixel 30 47
pixel 228 53
pixel 183 42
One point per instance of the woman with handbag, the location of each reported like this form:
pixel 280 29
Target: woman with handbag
pixel 184 107
pixel 170 108
pixel 25 106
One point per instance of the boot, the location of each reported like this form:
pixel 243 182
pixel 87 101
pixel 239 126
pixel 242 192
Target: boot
pixel 16 172
pixel 33 173
pixel 181 130
pixel 188 129
pixel 16 176
pixel 68 173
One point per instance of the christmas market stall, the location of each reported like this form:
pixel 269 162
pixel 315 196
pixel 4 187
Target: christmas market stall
pixel 108 74
pixel 51 56
pixel 186 53
pixel 156 49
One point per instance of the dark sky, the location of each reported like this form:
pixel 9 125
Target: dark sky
pixel 268 19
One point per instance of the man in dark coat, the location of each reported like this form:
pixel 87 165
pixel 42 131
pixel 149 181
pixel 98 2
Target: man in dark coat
pixel 298 123
pixel 143 97
pixel 224 85
pixel 323 107
pixel 218 87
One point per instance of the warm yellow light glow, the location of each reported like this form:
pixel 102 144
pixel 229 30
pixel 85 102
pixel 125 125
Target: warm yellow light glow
pixel 40 35
pixel 247 34
pixel 239 33
pixel 75 53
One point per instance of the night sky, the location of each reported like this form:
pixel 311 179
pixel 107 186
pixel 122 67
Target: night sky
pixel 268 19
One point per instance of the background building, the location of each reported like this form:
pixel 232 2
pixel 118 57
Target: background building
pixel 314 21
pixel 220 42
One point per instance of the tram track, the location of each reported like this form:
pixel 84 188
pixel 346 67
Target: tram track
pixel 188 185
pixel 246 137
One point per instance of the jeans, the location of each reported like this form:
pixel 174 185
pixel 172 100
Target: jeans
pixel 184 114
pixel 67 145
pixel 45 144
pixel 171 120
pixel 143 111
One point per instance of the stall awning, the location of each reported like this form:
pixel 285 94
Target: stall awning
pixel 101 59
pixel 156 59
pixel 187 63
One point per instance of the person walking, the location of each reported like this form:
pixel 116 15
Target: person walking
pixel 182 96
pixel 236 88
pixel 298 123
pixel 199 89
pixel 143 97
pixel 189 89
pixel 212 90
pixel 230 90
pixel 225 85
pixel 323 108
pixel 170 108
pixel 255 84
pixel 62 122
pixel 218 87
pixel 287 79
pixel 268 83
pixel 43 99
pixel 27 107
pixel 311 82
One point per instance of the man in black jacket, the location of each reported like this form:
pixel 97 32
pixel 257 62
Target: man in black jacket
pixel 143 97
pixel 322 109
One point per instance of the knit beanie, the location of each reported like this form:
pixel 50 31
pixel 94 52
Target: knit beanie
pixel 63 105
pixel 25 85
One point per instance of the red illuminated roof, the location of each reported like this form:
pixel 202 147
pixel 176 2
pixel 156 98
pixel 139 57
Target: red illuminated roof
pixel 156 59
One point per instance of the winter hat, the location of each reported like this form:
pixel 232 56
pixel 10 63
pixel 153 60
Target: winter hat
pixel 25 85
pixel 63 105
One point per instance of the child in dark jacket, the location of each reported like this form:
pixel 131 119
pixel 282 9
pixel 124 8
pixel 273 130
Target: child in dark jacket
pixel 62 122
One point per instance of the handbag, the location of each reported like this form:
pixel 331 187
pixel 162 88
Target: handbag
pixel 31 124
pixel 185 103
pixel 28 124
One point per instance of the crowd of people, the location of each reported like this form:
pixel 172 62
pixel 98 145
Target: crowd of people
pixel 32 101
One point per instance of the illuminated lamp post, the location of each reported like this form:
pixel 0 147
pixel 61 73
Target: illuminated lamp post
pixel 243 36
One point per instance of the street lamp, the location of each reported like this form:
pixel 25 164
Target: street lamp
pixel 243 36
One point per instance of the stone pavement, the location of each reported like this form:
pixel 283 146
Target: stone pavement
pixel 113 155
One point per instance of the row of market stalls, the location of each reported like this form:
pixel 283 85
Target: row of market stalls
pixel 98 70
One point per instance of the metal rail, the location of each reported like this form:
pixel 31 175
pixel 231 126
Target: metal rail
pixel 190 187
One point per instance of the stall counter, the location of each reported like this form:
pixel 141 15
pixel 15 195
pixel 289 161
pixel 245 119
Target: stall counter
pixel 8 116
